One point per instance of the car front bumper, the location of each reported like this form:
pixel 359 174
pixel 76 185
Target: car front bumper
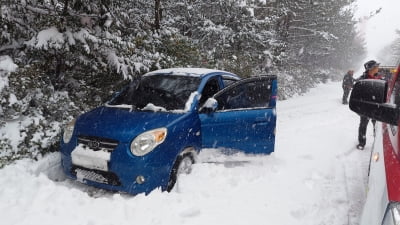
pixel 124 172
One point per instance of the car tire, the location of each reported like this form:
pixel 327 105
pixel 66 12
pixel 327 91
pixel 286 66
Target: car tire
pixel 183 165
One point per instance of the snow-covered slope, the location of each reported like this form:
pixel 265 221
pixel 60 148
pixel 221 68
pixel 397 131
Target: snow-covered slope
pixel 315 177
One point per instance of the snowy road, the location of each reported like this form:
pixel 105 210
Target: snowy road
pixel 315 177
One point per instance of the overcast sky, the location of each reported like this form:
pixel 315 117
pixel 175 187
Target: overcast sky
pixel 380 29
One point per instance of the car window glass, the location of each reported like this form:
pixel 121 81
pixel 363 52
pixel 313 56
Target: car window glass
pixel 168 91
pixel 245 95
pixel 228 81
pixel 211 87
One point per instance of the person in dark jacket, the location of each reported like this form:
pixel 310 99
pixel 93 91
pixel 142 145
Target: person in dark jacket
pixel 371 72
pixel 347 85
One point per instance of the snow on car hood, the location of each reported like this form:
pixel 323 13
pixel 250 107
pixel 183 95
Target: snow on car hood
pixel 121 124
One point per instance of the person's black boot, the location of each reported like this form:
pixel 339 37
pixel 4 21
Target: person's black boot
pixel 360 147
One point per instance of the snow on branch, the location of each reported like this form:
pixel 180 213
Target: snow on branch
pixel 326 35
pixel 117 63
pixel 50 38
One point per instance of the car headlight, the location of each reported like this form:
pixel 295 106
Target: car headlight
pixel 68 131
pixel 147 141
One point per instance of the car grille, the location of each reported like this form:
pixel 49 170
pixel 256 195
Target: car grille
pixel 98 176
pixel 97 143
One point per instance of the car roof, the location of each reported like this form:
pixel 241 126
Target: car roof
pixel 197 72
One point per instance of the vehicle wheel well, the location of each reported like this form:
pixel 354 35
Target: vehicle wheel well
pixel 187 152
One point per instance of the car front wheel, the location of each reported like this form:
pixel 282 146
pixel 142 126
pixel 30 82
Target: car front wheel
pixel 183 165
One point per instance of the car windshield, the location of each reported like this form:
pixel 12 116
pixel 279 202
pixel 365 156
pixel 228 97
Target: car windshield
pixel 161 92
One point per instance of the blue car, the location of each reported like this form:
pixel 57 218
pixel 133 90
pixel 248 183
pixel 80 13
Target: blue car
pixel 151 132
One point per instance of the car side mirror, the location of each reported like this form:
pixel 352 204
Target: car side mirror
pixel 209 106
pixel 368 98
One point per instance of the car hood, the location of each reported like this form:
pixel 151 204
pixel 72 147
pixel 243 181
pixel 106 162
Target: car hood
pixel 121 124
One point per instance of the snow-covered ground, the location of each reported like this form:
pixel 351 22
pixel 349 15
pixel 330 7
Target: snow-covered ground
pixel 315 177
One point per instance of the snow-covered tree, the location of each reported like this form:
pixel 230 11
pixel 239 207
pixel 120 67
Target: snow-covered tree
pixel 390 55
pixel 69 53
pixel 232 35
pixel 320 37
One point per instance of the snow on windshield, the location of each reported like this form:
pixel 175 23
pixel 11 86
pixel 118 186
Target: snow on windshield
pixel 159 93
pixel 152 107
pixel 188 105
